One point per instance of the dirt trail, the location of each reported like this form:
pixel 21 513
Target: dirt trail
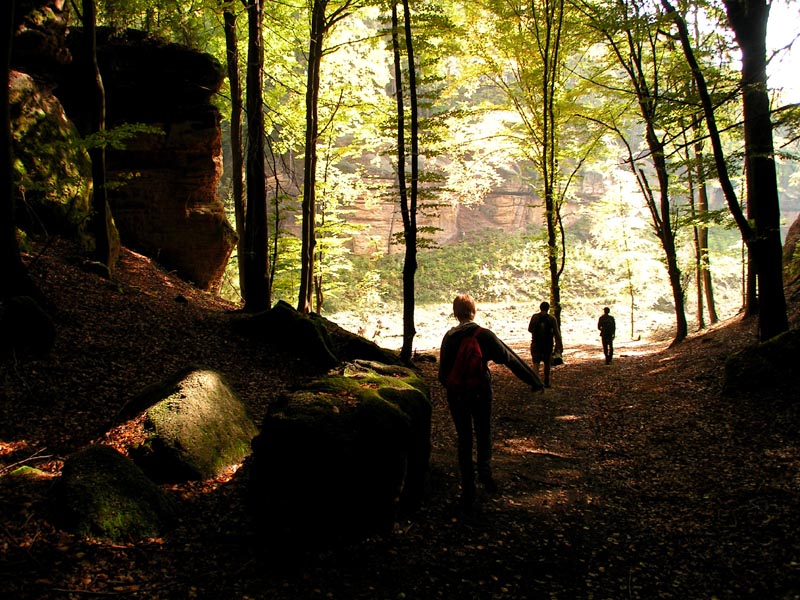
pixel 627 480
pixel 635 480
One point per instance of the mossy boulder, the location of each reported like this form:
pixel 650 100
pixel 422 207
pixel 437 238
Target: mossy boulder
pixel 52 169
pixel 195 426
pixel 101 493
pixel 337 459
pixel 765 368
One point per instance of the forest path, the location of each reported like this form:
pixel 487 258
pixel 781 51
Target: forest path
pixel 628 480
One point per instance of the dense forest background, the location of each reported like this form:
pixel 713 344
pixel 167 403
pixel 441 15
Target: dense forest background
pixel 561 152
pixel 479 149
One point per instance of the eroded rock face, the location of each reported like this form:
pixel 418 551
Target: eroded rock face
pixel 167 206
pixel 40 30
pixel 791 252
pixel 52 170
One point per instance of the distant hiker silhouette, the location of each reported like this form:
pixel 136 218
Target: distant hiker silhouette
pixel 463 370
pixel 545 340
pixel 608 330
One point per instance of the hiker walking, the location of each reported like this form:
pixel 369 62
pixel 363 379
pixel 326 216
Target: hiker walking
pixel 463 370
pixel 608 329
pixel 545 340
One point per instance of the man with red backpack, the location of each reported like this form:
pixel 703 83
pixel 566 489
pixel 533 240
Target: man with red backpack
pixel 463 370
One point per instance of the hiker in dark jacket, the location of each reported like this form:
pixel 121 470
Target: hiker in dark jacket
pixel 545 340
pixel 472 406
pixel 608 330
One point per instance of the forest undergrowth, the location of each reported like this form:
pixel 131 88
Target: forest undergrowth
pixel 637 479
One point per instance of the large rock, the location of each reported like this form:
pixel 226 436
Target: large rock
pixel 168 207
pixel 337 459
pixel 40 31
pixel 52 169
pixel 292 332
pixel 195 427
pixel 102 493
pixel 317 341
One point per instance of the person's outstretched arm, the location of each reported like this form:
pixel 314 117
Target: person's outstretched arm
pixel 495 350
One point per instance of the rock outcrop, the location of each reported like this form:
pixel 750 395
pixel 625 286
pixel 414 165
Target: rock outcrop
pixel 320 343
pixel 52 169
pixel 165 200
pixel 40 30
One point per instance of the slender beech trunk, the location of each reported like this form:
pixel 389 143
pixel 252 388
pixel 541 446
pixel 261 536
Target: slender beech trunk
pixel 408 198
pixel 702 229
pixel 237 160
pixel 551 19
pixel 256 255
pixel 96 99
pixel 698 267
pixel 309 206
pixel 666 233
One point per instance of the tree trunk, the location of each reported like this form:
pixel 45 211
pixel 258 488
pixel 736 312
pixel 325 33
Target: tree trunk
pixel 749 18
pixel 550 47
pixel 256 269
pixel 237 162
pixel 309 206
pixel 409 211
pixel 702 236
pixel 100 219
pixel 698 263
pixel 667 235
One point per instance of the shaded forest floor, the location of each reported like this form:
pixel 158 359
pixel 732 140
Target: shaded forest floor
pixel 637 479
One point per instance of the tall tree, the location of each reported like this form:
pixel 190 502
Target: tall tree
pixel 633 37
pixel 543 92
pixel 748 19
pixel 255 257
pixel 320 24
pixel 100 218
pixel 408 198
pixel 237 160
pixel 705 287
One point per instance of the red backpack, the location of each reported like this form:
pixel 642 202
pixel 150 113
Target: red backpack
pixel 467 371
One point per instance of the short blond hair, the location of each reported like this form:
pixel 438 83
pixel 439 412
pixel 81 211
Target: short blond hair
pixel 464 307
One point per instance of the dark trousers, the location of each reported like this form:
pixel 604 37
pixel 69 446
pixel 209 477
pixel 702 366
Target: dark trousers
pixel 472 410
pixel 542 354
pixel 608 347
